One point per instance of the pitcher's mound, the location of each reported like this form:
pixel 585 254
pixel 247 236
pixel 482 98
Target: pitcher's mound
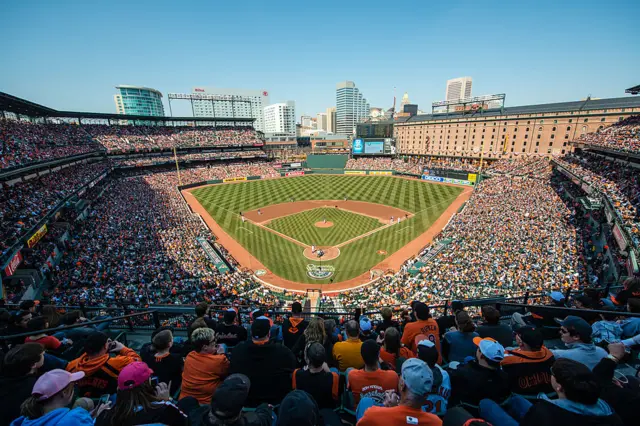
pixel 330 253
pixel 322 224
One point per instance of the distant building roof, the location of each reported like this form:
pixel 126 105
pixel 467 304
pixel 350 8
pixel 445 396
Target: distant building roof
pixel 585 105
pixel 126 86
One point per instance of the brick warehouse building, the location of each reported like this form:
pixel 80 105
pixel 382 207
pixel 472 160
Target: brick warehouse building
pixel 542 129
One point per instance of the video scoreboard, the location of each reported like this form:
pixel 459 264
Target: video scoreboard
pixel 373 146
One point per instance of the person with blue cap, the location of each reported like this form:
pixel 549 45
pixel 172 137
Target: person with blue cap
pixel 405 406
pixel 366 330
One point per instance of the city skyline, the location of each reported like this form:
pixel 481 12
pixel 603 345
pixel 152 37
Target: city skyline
pixel 67 57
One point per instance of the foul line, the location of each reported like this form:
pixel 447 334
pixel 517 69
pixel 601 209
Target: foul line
pixel 242 227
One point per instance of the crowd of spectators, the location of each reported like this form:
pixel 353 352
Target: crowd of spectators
pixel 147 161
pixel 24 203
pixel 621 136
pixel 618 181
pixel 138 245
pixel 416 369
pixel 515 234
pixel 24 142
pixel 144 138
pixel 520 165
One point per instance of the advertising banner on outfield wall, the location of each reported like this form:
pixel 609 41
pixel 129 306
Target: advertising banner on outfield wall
pixel 472 177
pixel 234 179
pixel 378 172
pixel 446 180
pixel 37 236
pixel 355 172
pixel 294 174
pixel 617 233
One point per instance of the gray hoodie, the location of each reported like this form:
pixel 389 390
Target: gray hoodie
pixel 585 353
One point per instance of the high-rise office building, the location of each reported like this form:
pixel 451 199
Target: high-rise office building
pixel 233 103
pixel 458 89
pixel 280 118
pixel 331 120
pixel 138 100
pixel 351 107
pixel 321 121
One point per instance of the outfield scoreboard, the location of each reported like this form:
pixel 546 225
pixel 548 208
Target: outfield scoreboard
pixel 373 146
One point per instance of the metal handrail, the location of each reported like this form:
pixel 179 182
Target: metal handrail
pixel 83 324
pixel 573 310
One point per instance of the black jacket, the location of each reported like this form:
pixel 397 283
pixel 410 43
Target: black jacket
pixel 623 400
pixel 547 414
pixel 500 332
pixel 292 329
pixel 13 392
pixel 269 368
pixel 471 383
pixel 261 417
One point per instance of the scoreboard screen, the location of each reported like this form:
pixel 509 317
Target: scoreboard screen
pixel 376 147
pixel 373 147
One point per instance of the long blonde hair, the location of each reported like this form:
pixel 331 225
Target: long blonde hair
pixel 315 331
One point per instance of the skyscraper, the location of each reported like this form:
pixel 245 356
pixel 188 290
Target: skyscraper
pixel 232 103
pixel 280 118
pixel 321 121
pixel 331 120
pixel 351 107
pixel 138 100
pixel 458 89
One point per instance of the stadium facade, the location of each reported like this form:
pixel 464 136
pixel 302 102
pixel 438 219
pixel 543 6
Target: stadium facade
pixel 232 103
pixel 541 129
pixel 138 100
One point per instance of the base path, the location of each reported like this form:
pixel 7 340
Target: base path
pixel 393 262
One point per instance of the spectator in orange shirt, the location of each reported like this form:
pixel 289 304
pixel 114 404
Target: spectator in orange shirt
pixel 371 381
pixel 393 350
pixel 424 325
pixel 204 368
pixel 404 408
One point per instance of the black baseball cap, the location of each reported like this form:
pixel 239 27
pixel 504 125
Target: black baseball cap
pixel 531 336
pixel 579 325
pixel 370 351
pixel 296 307
pixel 260 327
pixel 229 398
pixel 299 408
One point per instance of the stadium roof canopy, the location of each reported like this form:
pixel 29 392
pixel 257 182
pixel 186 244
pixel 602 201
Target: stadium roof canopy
pixel 633 90
pixel 584 105
pixel 20 106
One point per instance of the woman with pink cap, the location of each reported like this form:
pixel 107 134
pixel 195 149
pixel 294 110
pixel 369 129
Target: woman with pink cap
pixel 51 395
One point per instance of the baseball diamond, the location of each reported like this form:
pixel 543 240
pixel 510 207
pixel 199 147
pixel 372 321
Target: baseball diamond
pixel 280 217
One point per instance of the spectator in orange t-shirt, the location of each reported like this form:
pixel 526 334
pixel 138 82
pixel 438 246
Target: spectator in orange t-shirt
pixel 404 408
pixel 392 349
pixel 204 368
pixel 371 381
pixel 424 325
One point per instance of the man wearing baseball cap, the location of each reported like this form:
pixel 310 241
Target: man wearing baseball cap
pixel 294 326
pixel 414 386
pixel 481 378
pixel 529 366
pixel 575 333
pixel 228 332
pixel 227 404
pixel 50 396
pixel 269 366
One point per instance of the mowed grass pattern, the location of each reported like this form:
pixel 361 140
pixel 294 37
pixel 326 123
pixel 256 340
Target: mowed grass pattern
pixel 346 225
pixel 284 258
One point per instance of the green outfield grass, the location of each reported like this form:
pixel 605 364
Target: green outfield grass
pixel 346 225
pixel 284 258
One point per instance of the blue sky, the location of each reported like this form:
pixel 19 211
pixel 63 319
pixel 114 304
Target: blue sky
pixel 70 54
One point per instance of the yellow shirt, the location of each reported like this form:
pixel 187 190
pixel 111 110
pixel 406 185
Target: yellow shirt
pixel 347 354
